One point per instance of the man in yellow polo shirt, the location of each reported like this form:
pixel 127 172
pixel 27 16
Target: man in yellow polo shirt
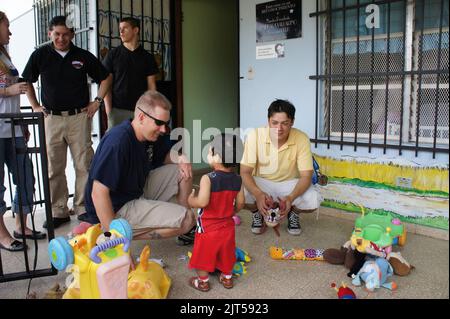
pixel 277 166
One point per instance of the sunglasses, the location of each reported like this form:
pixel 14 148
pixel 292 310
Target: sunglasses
pixel 158 122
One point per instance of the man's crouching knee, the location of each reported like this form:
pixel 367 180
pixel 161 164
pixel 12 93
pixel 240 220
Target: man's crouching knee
pixel 188 222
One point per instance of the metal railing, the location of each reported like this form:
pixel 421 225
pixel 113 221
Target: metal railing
pixel 31 126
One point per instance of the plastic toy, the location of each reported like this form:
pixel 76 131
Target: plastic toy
pixel 343 291
pixel 308 254
pixel 100 264
pixel 375 273
pixel 237 220
pixel 375 234
pixel 148 280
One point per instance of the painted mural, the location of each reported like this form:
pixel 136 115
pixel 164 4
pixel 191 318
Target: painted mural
pixel 409 191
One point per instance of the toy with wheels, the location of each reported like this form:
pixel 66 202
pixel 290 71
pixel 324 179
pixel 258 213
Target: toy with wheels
pixel 375 234
pixel 100 265
pixel 100 262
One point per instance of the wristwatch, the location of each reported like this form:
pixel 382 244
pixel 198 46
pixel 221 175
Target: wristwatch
pixel 98 99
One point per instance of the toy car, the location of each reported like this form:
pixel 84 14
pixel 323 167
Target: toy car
pixel 100 265
pixel 378 233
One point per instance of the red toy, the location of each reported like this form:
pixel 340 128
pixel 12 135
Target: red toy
pixel 343 291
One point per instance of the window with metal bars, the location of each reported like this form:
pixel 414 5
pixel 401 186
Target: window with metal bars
pixel 156 37
pixel 76 10
pixel 385 86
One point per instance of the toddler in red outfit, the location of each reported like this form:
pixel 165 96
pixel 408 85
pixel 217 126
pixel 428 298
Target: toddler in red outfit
pixel 220 195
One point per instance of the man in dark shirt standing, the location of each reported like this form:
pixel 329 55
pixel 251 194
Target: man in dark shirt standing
pixel 134 72
pixel 63 68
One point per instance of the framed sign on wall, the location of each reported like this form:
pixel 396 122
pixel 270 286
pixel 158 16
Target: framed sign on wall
pixel 278 20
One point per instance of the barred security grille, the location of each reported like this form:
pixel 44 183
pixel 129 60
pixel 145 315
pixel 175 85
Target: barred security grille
pixel 76 10
pixel 156 33
pixel 158 36
pixel 382 68
pixel 28 266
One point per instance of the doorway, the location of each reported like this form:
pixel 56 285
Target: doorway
pixel 210 54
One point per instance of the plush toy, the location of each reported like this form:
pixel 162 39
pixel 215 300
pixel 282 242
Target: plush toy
pixel 272 219
pixel 242 255
pixel 309 254
pixel 399 264
pixel 353 260
pixel 374 274
pixel 239 268
pixel 343 291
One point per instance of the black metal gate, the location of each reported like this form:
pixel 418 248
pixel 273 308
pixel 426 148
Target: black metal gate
pixel 32 124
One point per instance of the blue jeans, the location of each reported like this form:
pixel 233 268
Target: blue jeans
pixel 21 169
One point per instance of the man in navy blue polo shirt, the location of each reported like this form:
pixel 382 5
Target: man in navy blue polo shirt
pixel 123 183
pixel 64 69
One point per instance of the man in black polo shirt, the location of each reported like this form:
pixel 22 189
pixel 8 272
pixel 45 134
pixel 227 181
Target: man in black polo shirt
pixel 64 68
pixel 134 72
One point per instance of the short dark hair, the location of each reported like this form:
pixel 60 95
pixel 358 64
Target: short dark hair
pixel 229 147
pixel 59 21
pixel 281 106
pixel 135 23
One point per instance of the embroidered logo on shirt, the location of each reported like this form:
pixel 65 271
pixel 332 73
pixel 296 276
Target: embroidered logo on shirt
pixel 77 64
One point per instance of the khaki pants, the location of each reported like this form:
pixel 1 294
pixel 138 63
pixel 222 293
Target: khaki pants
pixel 117 116
pixel 73 131
pixel 152 210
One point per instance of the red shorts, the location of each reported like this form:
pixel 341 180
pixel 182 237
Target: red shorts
pixel 214 250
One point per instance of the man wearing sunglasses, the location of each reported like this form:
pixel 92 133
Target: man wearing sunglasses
pixel 125 183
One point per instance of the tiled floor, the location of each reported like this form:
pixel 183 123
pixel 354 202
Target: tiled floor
pixel 266 278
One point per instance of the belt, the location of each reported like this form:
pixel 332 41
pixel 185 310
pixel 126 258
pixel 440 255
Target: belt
pixel 68 112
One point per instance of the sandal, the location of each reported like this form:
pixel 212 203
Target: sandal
pixel 14 246
pixel 36 235
pixel 196 283
pixel 227 283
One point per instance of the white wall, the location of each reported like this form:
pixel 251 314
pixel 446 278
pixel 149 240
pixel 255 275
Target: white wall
pixel 22 43
pixel 288 78
pixel 285 78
